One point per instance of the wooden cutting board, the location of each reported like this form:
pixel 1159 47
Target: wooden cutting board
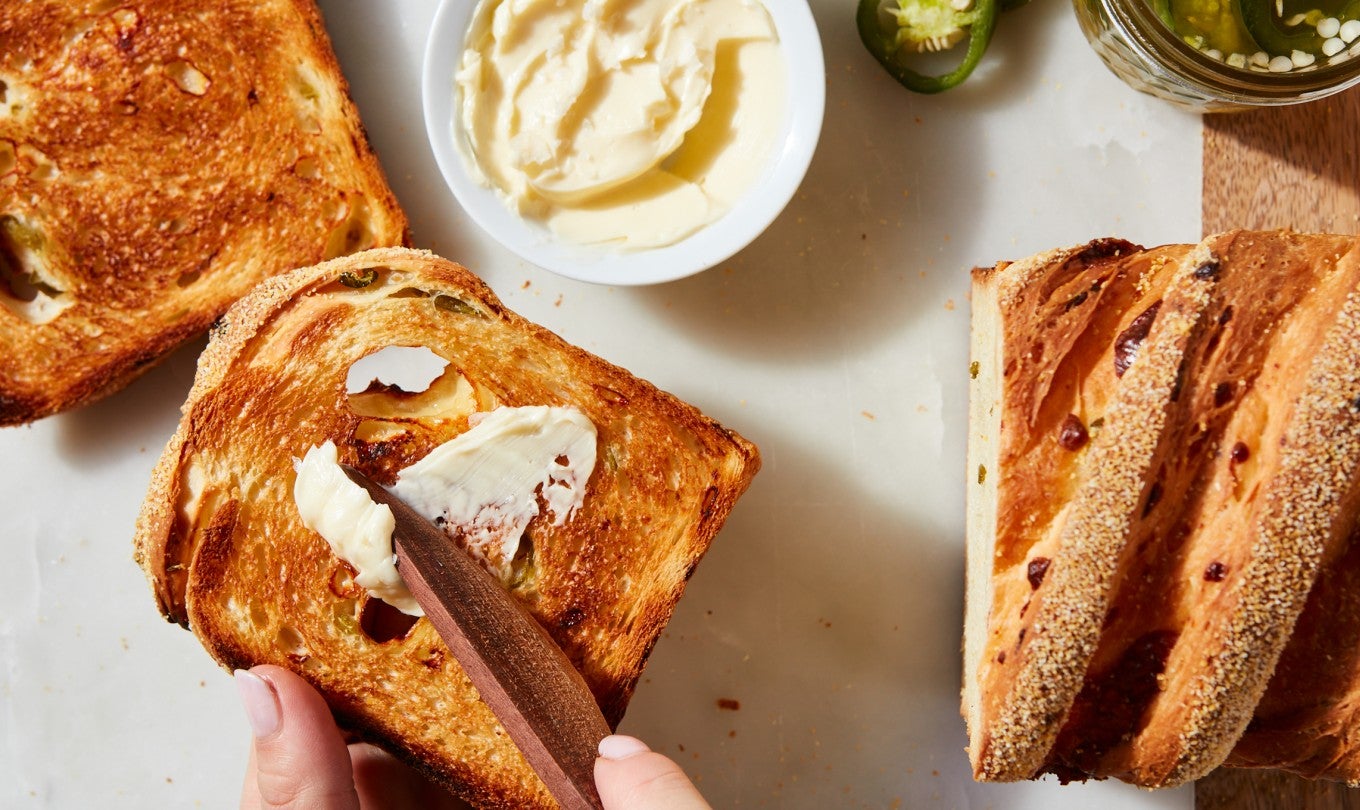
pixel 1293 167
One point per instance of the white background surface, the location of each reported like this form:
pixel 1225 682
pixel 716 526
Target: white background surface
pixel 830 606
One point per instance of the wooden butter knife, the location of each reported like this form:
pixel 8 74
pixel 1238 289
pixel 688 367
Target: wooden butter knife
pixel 521 673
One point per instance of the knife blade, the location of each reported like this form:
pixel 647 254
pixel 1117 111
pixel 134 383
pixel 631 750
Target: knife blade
pixel 522 675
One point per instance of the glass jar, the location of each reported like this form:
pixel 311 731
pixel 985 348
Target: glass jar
pixel 1142 50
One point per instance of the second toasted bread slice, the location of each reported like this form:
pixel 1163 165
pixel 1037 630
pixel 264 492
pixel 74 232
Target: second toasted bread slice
pixel 157 159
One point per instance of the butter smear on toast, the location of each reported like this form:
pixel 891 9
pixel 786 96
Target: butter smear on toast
pixel 482 487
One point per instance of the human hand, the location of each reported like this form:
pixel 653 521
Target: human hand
pixel 299 761
pixel 630 776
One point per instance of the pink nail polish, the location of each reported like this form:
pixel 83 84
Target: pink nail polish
pixel 260 701
pixel 621 746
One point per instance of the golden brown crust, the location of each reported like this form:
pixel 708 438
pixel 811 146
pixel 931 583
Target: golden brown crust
pixel 222 545
pixel 156 160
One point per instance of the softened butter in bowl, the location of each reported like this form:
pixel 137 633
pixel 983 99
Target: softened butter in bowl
pixel 624 142
pixel 632 126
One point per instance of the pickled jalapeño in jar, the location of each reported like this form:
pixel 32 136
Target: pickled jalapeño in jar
pixel 1274 36
pixel 1228 54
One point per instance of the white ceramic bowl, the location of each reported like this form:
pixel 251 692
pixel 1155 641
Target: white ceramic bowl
pixel 709 246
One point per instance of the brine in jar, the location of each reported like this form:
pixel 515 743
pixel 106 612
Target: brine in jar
pixel 1275 36
pixel 1211 55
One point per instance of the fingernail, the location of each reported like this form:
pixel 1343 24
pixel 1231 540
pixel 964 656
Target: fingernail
pixel 620 746
pixel 261 702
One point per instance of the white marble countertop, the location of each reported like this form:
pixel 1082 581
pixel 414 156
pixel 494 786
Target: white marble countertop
pixel 830 606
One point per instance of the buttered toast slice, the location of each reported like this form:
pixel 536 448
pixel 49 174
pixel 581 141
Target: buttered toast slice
pixel 157 159
pixel 221 539
pixel 1172 606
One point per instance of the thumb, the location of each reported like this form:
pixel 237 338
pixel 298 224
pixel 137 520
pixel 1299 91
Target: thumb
pixel 299 760
pixel 630 776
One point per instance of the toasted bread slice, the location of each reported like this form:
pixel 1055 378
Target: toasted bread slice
pixel 221 540
pixel 1244 489
pixel 157 159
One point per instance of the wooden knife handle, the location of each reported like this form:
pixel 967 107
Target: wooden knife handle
pixel 521 673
